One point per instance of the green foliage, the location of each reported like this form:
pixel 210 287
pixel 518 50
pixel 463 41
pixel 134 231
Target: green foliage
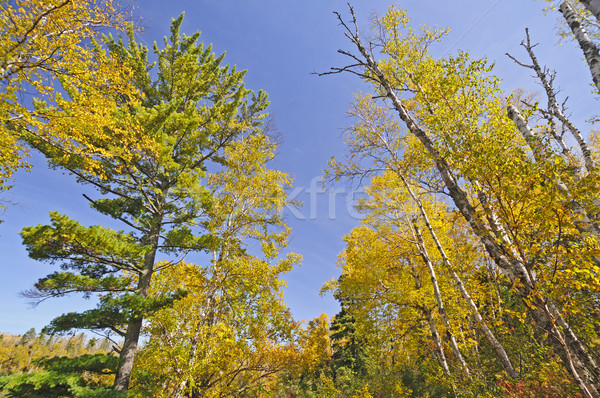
pixel 47 366
pixel 189 109
pixel 348 349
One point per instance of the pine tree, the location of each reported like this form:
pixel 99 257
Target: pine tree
pixel 189 109
pixel 348 348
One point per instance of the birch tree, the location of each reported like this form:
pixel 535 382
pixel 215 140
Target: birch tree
pixel 454 108
pixel 232 333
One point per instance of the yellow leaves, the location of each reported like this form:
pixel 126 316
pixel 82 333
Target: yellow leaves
pixel 520 316
pixel 41 43
pixel 364 392
pixel 224 322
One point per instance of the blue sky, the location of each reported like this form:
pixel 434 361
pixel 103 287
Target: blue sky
pixel 280 43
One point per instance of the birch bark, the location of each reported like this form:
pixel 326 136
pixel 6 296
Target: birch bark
pixel 437 341
pixel 438 298
pixel 553 106
pixel 590 50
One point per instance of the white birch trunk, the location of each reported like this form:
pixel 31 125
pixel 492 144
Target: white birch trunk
pixel 438 298
pixel 593 6
pixel 590 50
pixel 496 345
pixel 437 341
pixel 553 107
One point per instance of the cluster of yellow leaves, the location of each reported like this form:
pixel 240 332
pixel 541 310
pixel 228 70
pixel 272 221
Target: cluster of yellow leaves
pixel 232 331
pixel 48 51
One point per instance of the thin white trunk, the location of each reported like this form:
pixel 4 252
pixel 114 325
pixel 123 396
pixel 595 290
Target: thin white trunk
pixel 439 349
pixel 496 345
pixel 438 298
pixel 593 6
pixel 554 109
pixel 580 218
pixel 590 50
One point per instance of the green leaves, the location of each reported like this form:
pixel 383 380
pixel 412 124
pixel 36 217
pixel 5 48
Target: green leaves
pixel 63 376
pixel 92 251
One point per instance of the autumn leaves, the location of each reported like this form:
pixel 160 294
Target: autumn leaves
pixel 512 186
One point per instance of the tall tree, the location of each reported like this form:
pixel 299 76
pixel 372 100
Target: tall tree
pixel 454 108
pixel 191 109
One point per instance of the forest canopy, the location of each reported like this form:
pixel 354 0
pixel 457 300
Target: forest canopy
pixel 473 271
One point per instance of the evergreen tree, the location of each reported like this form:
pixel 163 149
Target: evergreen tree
pixel 189 108
pixel 348 349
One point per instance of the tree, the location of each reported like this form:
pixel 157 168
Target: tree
pixel 49 43
pixel 454 109
pixel 232 333
pixel 191 109
pixel 348 350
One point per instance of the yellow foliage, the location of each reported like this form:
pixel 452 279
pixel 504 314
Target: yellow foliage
pixel 42 45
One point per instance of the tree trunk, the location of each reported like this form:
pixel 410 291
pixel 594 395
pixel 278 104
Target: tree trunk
pixel 496 345
pixel 192 360
pixel 438 298
pixel 437 341
pixel 590 50
pixel 553 106
pixel 134 326
pixel 593 6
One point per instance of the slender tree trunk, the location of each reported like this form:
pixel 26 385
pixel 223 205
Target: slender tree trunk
pixel 207 318
pixel 437 341
pixel 590 50
pixel 496 345
pixel 132 335
pixel 593 6
pixel 192 359
pixel 512 266
pixel 438 298
pixel 553 106
pixel 579 216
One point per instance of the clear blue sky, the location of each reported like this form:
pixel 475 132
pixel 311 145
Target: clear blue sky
pixel 280 43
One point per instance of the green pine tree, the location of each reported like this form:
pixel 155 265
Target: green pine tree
pixel 348 348
pixel 190 108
